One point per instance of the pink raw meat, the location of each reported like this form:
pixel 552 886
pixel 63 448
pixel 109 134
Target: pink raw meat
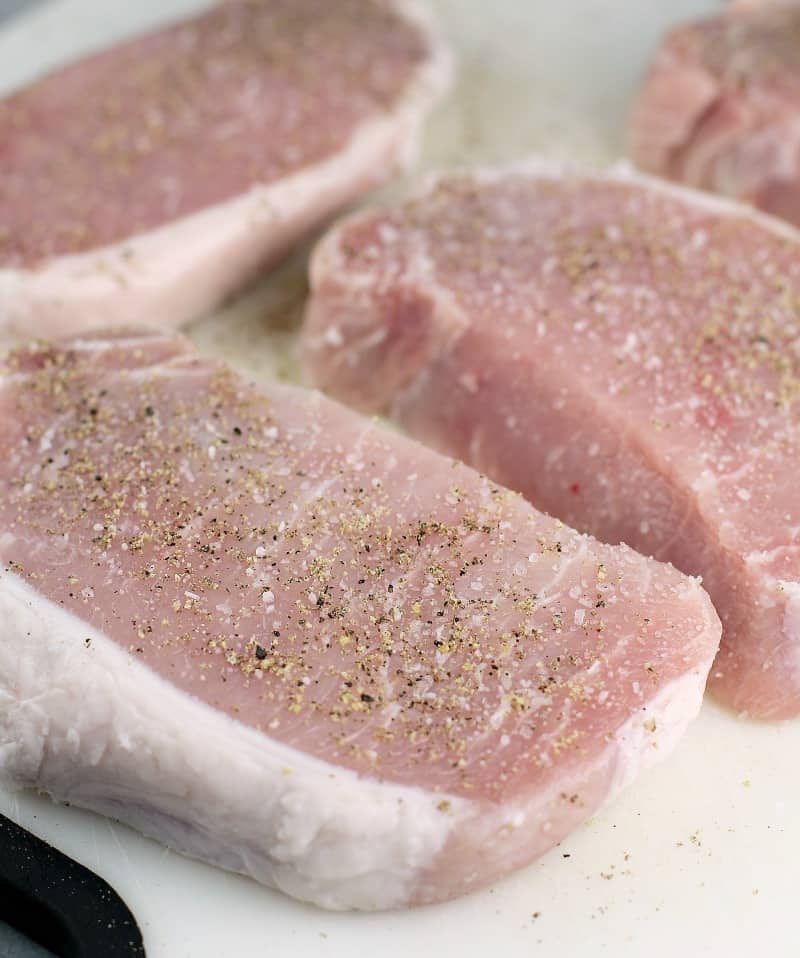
pixel 720 107
pixel 623 352
pixel 283 639
pixel 155 178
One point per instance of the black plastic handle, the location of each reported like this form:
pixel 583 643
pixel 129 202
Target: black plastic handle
pixel 59 904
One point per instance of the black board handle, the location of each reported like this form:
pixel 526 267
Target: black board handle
pixel 61 905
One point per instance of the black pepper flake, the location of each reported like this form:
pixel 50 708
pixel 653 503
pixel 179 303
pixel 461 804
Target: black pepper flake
pixel 366 698
pixel 261 652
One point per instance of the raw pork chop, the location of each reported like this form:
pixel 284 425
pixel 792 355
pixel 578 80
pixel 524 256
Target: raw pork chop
pixel 279 638
pixel 157 177
pixel 623 352
pixel 720 108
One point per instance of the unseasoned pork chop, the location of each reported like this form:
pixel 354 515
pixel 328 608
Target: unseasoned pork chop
pixel 720 107
pixel 280 638
pixel 623 352
pixel 158 176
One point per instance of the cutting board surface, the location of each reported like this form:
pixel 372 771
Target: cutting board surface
pixel 698 858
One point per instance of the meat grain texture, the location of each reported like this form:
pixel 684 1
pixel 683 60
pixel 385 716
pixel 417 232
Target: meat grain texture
pixel 720 107
pixel 282 639
pixel 154 179
pixel 623 352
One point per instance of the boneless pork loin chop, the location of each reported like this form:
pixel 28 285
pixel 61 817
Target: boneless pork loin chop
pixel 720 107
pixel 278 637
pixel 155 178
pixel 622 351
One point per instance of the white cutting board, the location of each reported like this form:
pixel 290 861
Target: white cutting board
pixel 702 856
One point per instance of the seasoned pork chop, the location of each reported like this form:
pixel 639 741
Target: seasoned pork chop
pixel 720 107
pixel 157 177
pixel 279 638
pixel 623 352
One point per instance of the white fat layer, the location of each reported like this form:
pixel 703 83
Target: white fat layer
pixel 791 619
pixel 538 818
pixel 183 269
pixel 653 732
pixel 84 721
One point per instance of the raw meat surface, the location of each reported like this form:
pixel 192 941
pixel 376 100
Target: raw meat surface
pixel 169 169
pixel 720 107
pixel 279 637
pixel 623 352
